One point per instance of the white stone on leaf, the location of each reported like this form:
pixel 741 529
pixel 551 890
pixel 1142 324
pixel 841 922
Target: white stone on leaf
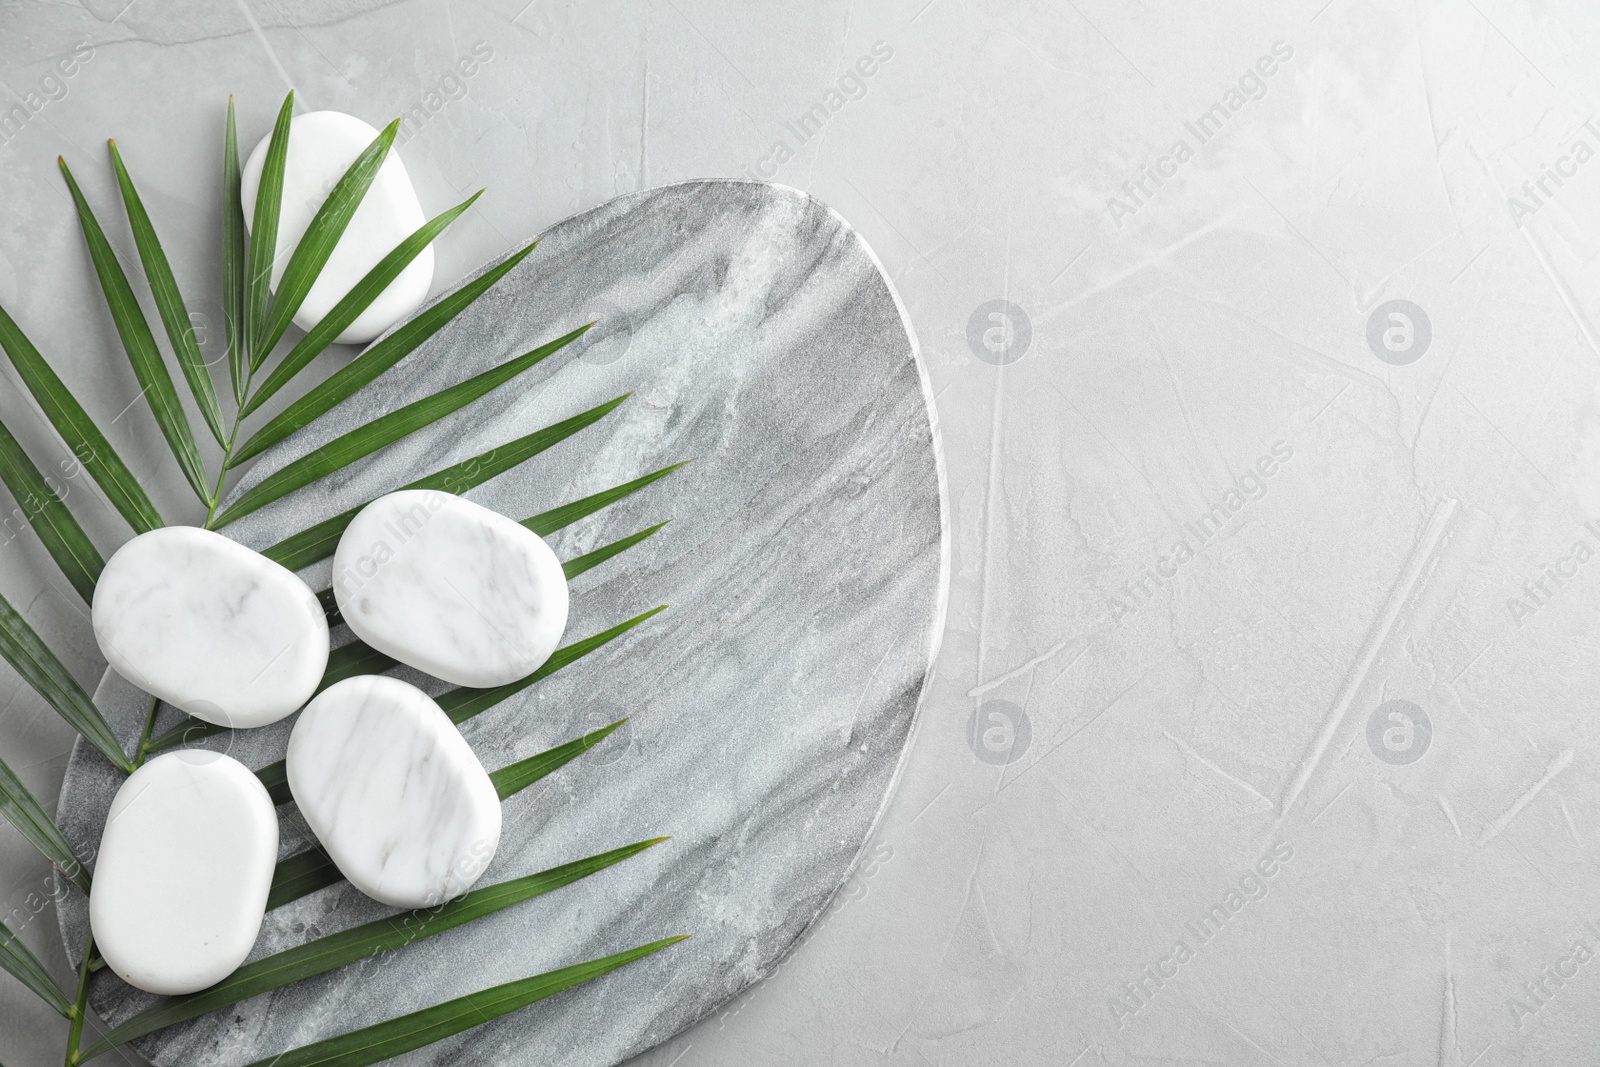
pixel 183 872
pixel 322 145
pixel 393 792
pixel 210 627
pixel 450 588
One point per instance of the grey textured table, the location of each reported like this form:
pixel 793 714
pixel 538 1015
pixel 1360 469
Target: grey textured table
pixel 1217 503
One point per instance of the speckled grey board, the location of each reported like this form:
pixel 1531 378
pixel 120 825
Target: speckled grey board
pixel 805 567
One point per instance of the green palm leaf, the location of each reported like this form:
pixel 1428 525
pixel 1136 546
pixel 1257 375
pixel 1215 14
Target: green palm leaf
pixel 317 243
pixel 355 658
pixel 233 259
pixel 377 358
pixel 380 432
pixel 352 304
pixel 256 322
pixel 386 1040
pixel 317 543
pixel 578 564
pixel 301 874
pixel 140 344
pixel 306 872
pixel 548 522
pixel 32 659
pixel 24 966
pixel 264 232
pixel 186 732
pixel 23 811
pixel 276 778
pixel 358 943
pixel 514 778
pixel 81 435
pixel 169 302
pixel 63 538
pixel 463 704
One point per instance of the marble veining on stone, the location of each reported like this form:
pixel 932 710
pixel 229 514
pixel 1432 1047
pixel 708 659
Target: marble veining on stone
pixel 393 792
pixel 770 704
pixel 450 587
pixel 210 627
pixel 183 872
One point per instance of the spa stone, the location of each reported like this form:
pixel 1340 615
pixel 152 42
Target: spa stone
pixel 322 145
pixel 184 868
pixel 393 792
pixel 450 588
pixel 210 626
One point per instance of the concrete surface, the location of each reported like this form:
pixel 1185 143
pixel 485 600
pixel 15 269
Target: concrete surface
pixel 1123 736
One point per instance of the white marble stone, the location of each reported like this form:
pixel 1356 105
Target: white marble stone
pixel 183 872
pixel 210 626
pixel 451 588
pixel 393 792
pixel 322 145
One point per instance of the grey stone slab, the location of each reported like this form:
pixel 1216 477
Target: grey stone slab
pixel 805 571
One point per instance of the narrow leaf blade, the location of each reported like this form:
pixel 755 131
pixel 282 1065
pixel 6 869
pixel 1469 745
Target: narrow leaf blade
pixel 31 658
pixel 578 564
pixel 379 433
pixel 186 732
pixel 301 875
pixel 325 954
pixel 463 704
pixel 512 779
pixel 386 1040
pixel 548 522
pixel 169 302
pixel 352 304
pixel 378 358
pixel 78 431
pixel 23 811
pixel 264 232
pixel 347 661
pixel 322 234
pixel 17 961
pixel 140 344
pixel 275 777
pixel 234 266
pixel 63 538
pixel 317 543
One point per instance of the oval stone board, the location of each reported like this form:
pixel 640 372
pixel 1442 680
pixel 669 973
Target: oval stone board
pixel 805 569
